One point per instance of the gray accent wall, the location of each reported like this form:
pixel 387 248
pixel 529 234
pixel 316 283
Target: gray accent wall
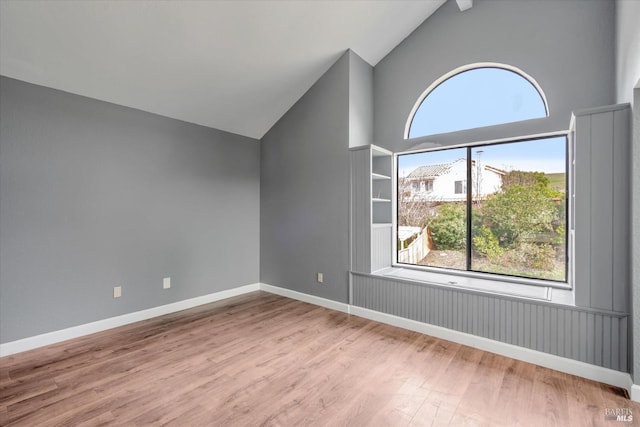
pixel 304 178
pixel 304 193
pixel 567 46
pixel 95 195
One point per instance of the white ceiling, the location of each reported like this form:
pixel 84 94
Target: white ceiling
pixel 237 66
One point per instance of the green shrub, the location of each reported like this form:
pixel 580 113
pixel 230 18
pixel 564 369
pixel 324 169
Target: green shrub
pixel 519 212
pixel 448 228
pixel 532 255
pixel 486 243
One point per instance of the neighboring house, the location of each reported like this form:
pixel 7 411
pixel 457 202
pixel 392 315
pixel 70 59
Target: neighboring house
pixel 448 182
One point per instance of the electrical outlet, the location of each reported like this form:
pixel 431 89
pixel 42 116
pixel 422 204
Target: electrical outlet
pixel 166 283
pixel 320 278
pixel 117 291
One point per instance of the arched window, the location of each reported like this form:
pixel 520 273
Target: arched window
pixel 476 96
pixel 497 206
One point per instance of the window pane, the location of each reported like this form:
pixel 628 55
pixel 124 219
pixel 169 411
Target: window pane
pixel 519 209
pixel 476 98
pixel 432 225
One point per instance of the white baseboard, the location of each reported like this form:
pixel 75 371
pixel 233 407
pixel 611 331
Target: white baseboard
pixel 36 341
pixel 311 299
pixel 562 364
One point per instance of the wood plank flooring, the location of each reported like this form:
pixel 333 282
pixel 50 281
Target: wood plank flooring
pixel 264 360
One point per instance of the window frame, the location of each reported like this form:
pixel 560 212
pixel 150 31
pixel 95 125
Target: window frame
pixel 450 275
pixel 462 69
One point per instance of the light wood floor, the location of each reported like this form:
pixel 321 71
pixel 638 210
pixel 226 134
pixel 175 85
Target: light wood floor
pixel 261 359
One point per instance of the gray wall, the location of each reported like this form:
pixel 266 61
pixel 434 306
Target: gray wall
pixel 566 46
pixel 94 195
pixel 304 178
pixel 304 192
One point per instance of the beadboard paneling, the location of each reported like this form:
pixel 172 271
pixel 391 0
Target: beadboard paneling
pixel 381 235
pixel 602 206
pixel 598 338
pixel 360 210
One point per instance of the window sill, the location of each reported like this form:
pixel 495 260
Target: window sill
pixel 555 294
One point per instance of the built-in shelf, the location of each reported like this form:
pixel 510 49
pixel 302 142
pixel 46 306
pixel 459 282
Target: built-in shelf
pixel 372 215
pixel 381 185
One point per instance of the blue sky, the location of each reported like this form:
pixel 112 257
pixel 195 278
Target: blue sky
pixel 541 155
pixel 476 98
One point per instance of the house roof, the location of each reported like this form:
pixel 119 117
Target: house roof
pixel 496 170
pixel 432 171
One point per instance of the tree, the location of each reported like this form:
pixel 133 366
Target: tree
pixel 448 228
pixel 525 179
pixel 519 211
pixel 413 211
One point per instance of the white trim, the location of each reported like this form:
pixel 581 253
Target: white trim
pixel 562 364
pixel 48 338
pixel 311 299
pixel 635 392
pixel 469 67
pixel 479 143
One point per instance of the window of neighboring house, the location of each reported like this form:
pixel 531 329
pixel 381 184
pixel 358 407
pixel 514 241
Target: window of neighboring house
pixel 423 186
pixel 511 220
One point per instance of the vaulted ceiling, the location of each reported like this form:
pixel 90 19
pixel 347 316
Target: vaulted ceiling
pixel 236 65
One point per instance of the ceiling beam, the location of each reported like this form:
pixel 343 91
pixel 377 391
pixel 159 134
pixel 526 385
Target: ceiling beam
pixel 464 4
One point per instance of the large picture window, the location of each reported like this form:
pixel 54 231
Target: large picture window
pixel 495 208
